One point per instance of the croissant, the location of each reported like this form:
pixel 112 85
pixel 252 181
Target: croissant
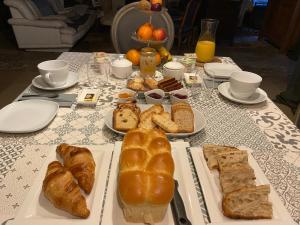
pixel 63 192
pixel 81 164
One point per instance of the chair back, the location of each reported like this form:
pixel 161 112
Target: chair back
pixel 129 18
pixel 190 15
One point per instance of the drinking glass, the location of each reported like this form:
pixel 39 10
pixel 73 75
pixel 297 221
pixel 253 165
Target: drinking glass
pixel 98 73
pixel 205 48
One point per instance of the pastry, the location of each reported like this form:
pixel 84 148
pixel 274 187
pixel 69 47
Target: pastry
pixel 151 83
pixel 157 109
pixel 63 192
pixel 183 116
pixel 248 203
pixel 81 164
pixel 137 86
pixel 165 123
pixel 145 181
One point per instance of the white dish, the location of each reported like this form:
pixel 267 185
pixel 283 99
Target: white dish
pixel 38 82
pixel 258 97
pixel 220 70
pixel 27 116
pixel 157 76
pixel 199 121
pixel 113 214
pixel 210 184
pixel 37 210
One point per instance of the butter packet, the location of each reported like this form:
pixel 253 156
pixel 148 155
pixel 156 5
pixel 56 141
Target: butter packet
pixel 192 79
pixel 88 97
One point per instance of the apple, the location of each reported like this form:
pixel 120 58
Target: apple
pixel 156 7
pixel 159 34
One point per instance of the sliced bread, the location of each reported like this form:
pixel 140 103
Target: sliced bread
pixel 229 158
pixel 235 177
pixel 165 123
pixel 248 203
pixel 211 151
pixel 183 116
pixel 153 109
pixel 125 119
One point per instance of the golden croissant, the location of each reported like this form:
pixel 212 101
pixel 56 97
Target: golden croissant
pixel 81 164
pixel 63 192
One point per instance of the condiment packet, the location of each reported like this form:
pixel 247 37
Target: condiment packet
pixel 88 97
pixel 192 79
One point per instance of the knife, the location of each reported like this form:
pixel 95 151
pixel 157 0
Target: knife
pixel 178 209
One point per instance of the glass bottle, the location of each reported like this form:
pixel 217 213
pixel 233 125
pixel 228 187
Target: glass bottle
pixel 148 62
pixel 205 48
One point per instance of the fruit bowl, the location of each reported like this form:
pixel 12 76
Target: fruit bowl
pixel 151 42
pixel 163 9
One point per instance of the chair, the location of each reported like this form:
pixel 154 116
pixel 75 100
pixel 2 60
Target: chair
pixel 185 28
pixel 128 19
pixel 33 31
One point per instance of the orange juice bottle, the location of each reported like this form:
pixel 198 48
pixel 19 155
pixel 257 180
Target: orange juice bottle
pixel 205 48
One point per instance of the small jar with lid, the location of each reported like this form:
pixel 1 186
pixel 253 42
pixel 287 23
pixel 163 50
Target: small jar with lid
pixel 148 62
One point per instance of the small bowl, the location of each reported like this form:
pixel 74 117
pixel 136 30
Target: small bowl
pixel 151 100
pixel 175 99
pixel 124 92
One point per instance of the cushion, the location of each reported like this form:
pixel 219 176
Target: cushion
pixel 45 7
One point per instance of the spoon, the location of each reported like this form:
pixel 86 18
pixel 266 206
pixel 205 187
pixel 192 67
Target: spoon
pixel 47 95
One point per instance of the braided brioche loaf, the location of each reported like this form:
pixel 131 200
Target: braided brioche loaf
pixel 145 182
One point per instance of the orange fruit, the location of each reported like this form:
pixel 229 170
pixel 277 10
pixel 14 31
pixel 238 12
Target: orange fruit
pixel 158 58
pixel 145 31
pixel 134 56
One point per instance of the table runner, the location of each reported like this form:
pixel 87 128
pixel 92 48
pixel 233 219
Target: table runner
pixel 263 127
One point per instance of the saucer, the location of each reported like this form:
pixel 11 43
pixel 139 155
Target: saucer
pixel 38 82
pixel 220 70
pixel 258 97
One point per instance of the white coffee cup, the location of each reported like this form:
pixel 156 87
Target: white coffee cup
pixel 243 84
pixel 54 72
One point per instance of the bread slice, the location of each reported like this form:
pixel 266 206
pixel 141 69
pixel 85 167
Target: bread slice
pixel 228 158
pixel 183 116
pixel 165 123
pixel 147 123
pixel 248 203
pixel 125 119
pixel 237 176
pixel 211 151
pixel 153 109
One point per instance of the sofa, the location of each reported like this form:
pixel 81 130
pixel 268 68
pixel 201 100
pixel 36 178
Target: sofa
pixel 48 27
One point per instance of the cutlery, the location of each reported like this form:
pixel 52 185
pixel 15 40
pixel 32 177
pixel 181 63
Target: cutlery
pixel 47 95
pixel 178 209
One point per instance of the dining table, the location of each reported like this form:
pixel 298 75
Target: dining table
pixel 263 127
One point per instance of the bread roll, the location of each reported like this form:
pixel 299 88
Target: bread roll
pixel 145 182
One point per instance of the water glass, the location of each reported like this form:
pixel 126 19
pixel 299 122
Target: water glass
pixel 98 73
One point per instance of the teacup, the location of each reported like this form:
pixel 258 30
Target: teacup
pixel 244 84
pixel 54 72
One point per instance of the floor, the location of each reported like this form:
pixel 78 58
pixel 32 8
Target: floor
pixel 18 67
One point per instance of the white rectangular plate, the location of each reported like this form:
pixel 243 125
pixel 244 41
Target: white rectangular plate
pixel 37 210
pixel 113 213
pixel 199 120
pixel 210 184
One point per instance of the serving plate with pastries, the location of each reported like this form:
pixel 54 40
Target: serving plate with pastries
pixel 142 184
pixel 141 84
pixel 69 187
pixel 176 120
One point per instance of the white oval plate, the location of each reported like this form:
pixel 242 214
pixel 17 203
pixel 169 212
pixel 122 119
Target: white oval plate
pixel 38 82
pixel 258 97
pixel 27 116
pixel 220 70
pixel 199 121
